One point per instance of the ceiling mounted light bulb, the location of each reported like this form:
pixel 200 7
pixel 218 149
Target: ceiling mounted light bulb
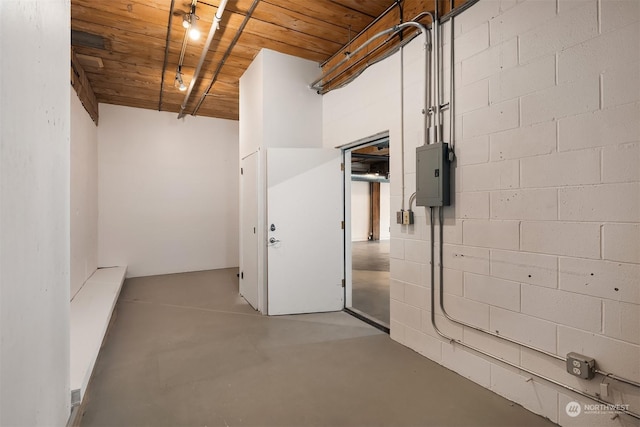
pixel 181 86
pixel 186 20
pixel 194 33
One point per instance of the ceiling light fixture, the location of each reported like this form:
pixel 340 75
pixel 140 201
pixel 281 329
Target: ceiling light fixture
pixel 179 83
pixel 194 33
pixel 190 22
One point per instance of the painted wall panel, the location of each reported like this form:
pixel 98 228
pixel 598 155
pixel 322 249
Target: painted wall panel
pixel 168 191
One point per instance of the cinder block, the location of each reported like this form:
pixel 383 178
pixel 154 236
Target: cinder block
pixel 621 85
pixel 608 202
pixel 396 248
pixel 416 295
pixel 560 169
pixel 495 118
pixel 526 391
pixel 396 331
pixel 561 238
pixel 561 32
pixel 522 80
pixel 479 14
pixel 526 329
pixel 396 290
pixel 449 329
pixel 416 250
pixel 519 19
pixel 492 291
pixel 611 280
pixel 472 96
pixel 535 269
pixel 472 205
pixel 466 258
pixel 523 142
pixel 467 311
pixel 453 281
pixel 621 242
pixel 600 54
pixel 568 99
pixel 491 176
pixel 472 151
pixel 406 314
pixel 611 355
pixel 472 42
pixel 492 345
pixel 612 126
pixel 621 321
pixel 424 344
pixel 490 61
pixel 525 204
pixel 616 14
pixel 621 163
pixel 466 364
pixel 452 231
pixel 405 271
pixel 551 304
pixel 491 234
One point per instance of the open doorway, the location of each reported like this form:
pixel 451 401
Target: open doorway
pixel 367 199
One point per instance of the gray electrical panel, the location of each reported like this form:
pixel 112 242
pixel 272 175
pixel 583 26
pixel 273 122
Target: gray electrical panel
pixel 432 175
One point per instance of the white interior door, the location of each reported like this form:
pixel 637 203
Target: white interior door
pixel 249 229
pixel 305 238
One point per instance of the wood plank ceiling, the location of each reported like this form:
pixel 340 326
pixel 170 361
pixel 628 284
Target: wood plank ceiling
pixel 124 65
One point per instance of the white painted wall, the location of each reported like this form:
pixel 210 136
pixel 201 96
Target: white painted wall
pixel 541 242
pixel 360 211
pixel 84 194
pixel 34 212
pixel 168 191
pixel 277 110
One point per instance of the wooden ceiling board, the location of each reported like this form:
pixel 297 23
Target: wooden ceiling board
pixel 136 31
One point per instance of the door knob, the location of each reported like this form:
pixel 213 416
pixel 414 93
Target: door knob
pixel 273 240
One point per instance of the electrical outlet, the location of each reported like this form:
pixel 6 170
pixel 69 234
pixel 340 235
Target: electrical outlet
pixel 407 217
pixel 399 217
pixel 581 366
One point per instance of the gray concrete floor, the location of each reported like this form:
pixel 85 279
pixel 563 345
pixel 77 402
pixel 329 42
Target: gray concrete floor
pixel 186 350
pixel 370 278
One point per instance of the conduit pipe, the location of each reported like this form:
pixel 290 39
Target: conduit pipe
pixel 371 24
pixel 226 55
pixel 214 26
pixel 484 353
pixel 166 54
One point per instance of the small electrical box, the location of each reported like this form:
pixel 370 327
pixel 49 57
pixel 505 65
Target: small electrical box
pixel 581 366
pixel 432 175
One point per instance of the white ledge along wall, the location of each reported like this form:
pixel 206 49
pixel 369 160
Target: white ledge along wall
pixel 542 240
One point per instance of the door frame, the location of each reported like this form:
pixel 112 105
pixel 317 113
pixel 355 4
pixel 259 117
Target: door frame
pixel 346 197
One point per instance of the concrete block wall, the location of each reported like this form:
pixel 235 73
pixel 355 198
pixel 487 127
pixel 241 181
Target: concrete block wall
pixel 541 243
pixel 548 201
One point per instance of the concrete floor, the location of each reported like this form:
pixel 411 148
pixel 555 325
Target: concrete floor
pixel 185 350
pixel 370 279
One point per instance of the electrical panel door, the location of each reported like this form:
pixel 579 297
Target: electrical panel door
pixel 432 175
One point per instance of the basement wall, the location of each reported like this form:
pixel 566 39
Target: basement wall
pixel 168 191
pixel 34 212
pixel 542 241
pixel 84 195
